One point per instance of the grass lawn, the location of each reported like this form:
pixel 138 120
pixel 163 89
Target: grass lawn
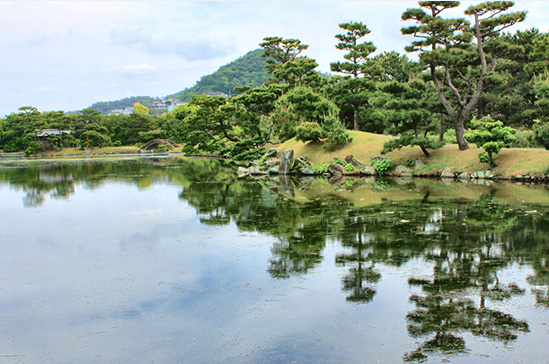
pixel 364 146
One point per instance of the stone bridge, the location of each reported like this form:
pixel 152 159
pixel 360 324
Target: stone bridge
pixel 171 144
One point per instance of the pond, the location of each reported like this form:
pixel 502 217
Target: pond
pixel 175 260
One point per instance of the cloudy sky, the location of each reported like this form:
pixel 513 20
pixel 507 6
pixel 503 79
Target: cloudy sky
pixel 66 55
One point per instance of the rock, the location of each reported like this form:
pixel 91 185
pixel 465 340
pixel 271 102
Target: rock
pixel 241 172
pixel 418 163
pixel 273 162
pixel 403 169
pixel 447 173
pixel 489 174
pixel 336 168
pixel 304 160
pixel 479 175
pixel 464 176
pixel 273 170
pixel 286 162
pixel 255 170
pixel 307 180
pixel 271 153
pixel 355 162
pixel 370 171
pixel 307 171
pixel 377 157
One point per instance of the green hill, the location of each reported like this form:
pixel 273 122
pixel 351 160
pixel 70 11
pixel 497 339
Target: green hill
pixel 248 70
pixel 105 107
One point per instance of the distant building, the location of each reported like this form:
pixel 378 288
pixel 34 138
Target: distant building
pixel 116 112
pixel 222 94
pixel 43 134
pixel 128 110
pixel 159 105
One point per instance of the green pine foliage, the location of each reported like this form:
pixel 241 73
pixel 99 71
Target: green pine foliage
pixel 541 133
pixel 491 136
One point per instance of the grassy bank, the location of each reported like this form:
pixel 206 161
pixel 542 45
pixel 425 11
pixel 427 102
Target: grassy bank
pixel 511 162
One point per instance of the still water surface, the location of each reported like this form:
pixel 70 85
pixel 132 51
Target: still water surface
pixel 177 261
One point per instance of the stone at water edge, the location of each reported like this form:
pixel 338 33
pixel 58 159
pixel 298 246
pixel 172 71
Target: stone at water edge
pixel 286 161
pixel 418 163
pixel 355 162
pixel 307 171
pixel 402 169
pixel 336 168
pixel 447 173
pixel 370 170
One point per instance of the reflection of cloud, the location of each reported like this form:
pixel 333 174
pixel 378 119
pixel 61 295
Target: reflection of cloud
pixel 190 49
pixel 147 212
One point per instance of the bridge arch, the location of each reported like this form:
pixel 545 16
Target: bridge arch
pixel 171 144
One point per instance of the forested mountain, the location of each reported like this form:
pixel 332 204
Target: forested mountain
pixel 248 70
pixel 105 107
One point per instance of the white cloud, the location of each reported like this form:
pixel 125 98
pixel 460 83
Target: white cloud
pixel 99 50
pixel 137 67
pixel 190 47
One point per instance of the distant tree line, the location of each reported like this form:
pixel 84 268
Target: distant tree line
pixel 468 69
pixel 106 107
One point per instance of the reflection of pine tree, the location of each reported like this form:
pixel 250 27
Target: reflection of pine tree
pixel 354 283
pixel 446 308
pixel 540 281
pixel 297 255
pixel 355 237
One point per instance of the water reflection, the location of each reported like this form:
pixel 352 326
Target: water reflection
pixel 453 246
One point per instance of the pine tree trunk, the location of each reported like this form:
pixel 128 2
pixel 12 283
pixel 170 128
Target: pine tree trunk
pixel 355 118
pixel 460 134
pixel 441 135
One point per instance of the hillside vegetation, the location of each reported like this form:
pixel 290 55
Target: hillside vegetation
pixel 246 71
pixel 105 107
pixel 511 162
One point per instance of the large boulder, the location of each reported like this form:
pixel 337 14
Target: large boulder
pixel 307 171
pixel 336 169
pixel 355 162
pixel 418 163
pixel 447 173
pixel 255 170
pixel 286 162
pixel 403 171
pixel 370 170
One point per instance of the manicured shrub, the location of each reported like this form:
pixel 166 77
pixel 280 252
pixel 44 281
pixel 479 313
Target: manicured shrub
pixel 308 131
pixel 382 166
pixel 491 136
